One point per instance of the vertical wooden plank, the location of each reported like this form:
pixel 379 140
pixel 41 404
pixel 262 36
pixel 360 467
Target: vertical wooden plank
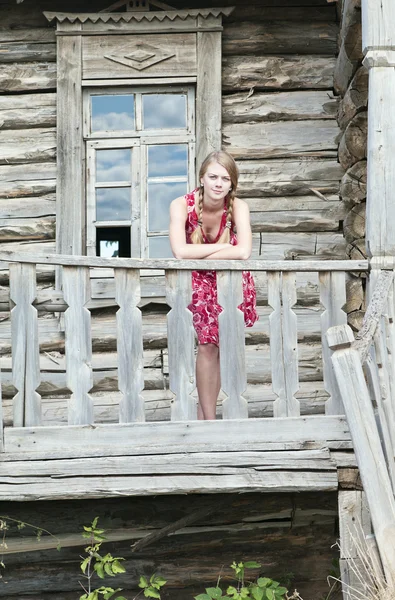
pixel 129 345
pixel 390 331
pixel 354 525
pixel 232 345
pixel 208 94
pixel 378 24
pixel 25 345
pixel 1 420
pixel 333 298
pixel 180 340
pixel 370 369
pixel 367 444
pixel 283 343
pixel 70 204
pixel 78 345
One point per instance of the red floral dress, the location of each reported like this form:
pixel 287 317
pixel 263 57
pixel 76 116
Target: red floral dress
pixel 204 305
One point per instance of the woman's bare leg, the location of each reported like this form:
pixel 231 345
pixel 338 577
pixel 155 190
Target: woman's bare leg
pixel 208 380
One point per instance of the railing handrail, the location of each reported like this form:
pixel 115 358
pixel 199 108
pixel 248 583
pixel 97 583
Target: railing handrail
pixel 180 264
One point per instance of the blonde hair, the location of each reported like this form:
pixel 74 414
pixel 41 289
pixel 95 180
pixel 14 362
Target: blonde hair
pixel 227 161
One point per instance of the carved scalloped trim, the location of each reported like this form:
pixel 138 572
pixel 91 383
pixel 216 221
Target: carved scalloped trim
pixel 127 17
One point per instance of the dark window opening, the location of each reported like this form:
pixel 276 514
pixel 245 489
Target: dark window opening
pixel 113 242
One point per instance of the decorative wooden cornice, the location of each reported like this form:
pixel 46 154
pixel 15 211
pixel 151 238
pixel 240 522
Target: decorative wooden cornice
pixel 128 17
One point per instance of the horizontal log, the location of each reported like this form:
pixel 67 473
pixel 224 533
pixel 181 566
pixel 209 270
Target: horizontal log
pixel 285 106
pixel 290 177
pixel 277 13
pixel 39 35
pixel 281 139
pixel 350 52
pixel 277 72
pixel 12 52
pixel 357 249
pixel 27 77
pixel 353 184
pixel 355 99
pixel 354 226
pixel 42 228
pixel 282 37
pixel 27 110
pixel 27 145
pixel 35 179
pixel 353 143
pixel 28 207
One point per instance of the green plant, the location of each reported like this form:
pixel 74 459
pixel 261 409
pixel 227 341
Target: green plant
pixel 152 586
pixel 263 588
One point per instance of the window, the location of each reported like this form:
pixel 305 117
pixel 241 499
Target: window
pixel 140 156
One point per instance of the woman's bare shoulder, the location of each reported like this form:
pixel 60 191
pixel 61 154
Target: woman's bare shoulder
pixel 240 205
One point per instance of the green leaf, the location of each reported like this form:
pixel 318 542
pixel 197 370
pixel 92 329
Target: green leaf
pixel 143 583
pixel 99 570
pixel 281 591
pixel 202 597
pixel 214 592
pixel 84 564
pixel 151 593
pixel 251 564
pixel 231 591
pixel 117 567
pixel 108 569
pixel 270 594
pixel 257 593
pixel 158 580
pixel 264 582
pixel 94 522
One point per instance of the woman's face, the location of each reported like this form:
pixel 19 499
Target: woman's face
pixel 216 182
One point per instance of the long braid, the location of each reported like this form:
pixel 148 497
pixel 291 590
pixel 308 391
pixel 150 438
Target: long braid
pixel 225 237
pixel 197 235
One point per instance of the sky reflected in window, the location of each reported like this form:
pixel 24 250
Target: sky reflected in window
pixel 168 160
pixel 159 247
pixel 164 111
pixel 113 112
pixel 113 165
pixel 113 204
pixel 160 196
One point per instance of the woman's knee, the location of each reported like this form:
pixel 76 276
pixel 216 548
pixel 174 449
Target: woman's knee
pixel 209 351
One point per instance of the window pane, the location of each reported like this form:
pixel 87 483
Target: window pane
pixel 113 113
pixel 168 160
pixel 164 111
pixel 113 204
pixel 109 249
pixel 159 197
pixel 112 242
pixel 159 247
pixel 113 165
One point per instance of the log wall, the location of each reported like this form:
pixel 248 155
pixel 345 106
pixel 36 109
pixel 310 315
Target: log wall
pixel 279 121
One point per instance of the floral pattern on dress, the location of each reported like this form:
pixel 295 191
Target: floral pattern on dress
pixel 204 306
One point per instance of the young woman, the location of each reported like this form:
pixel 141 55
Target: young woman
pixel 203 224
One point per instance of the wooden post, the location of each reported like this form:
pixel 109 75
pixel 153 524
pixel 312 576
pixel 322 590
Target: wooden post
pixel 333 298
pixel 25 346
pixel 180 340
pixel 283 343
pixel 232 345
pixel 129 345
pixel 366 441
pixel 378 42
pixel 78 344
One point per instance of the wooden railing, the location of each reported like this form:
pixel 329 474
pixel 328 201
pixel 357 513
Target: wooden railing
pixel 365 371
pixel 73 301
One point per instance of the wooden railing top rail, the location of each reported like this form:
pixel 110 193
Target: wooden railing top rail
pixel 176 264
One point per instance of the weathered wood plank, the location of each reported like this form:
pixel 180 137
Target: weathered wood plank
pixel 281 139
pixel 333 299
pixel 181 343
pixel 378 18
pixel 277 72
pixel 78 344
pixel 30 207
pixel 350 51
pixel 261 12
pixel 353 184
pixel 129 346
pixel 282 37
pixel 353 143
pixel 232 345
pixel 355 99
pixel 27 229
pixel 284 106
pixel 27 145
pixel 27 77
pixel 290 429
pixel 19 181
pixel 367 445
pixel 25 346
pixel 294 177
pixel 27 51
pixel 283 343
pixel 27 110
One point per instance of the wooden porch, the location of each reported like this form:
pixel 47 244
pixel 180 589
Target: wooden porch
pixel 240 452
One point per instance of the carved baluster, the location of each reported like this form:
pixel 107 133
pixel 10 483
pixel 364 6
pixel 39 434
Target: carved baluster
pixel 283 343
pixel 25 346
pixel 78 344
pixel 181 338
pixel 232 345
pixel 129 346
pixel 333 299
